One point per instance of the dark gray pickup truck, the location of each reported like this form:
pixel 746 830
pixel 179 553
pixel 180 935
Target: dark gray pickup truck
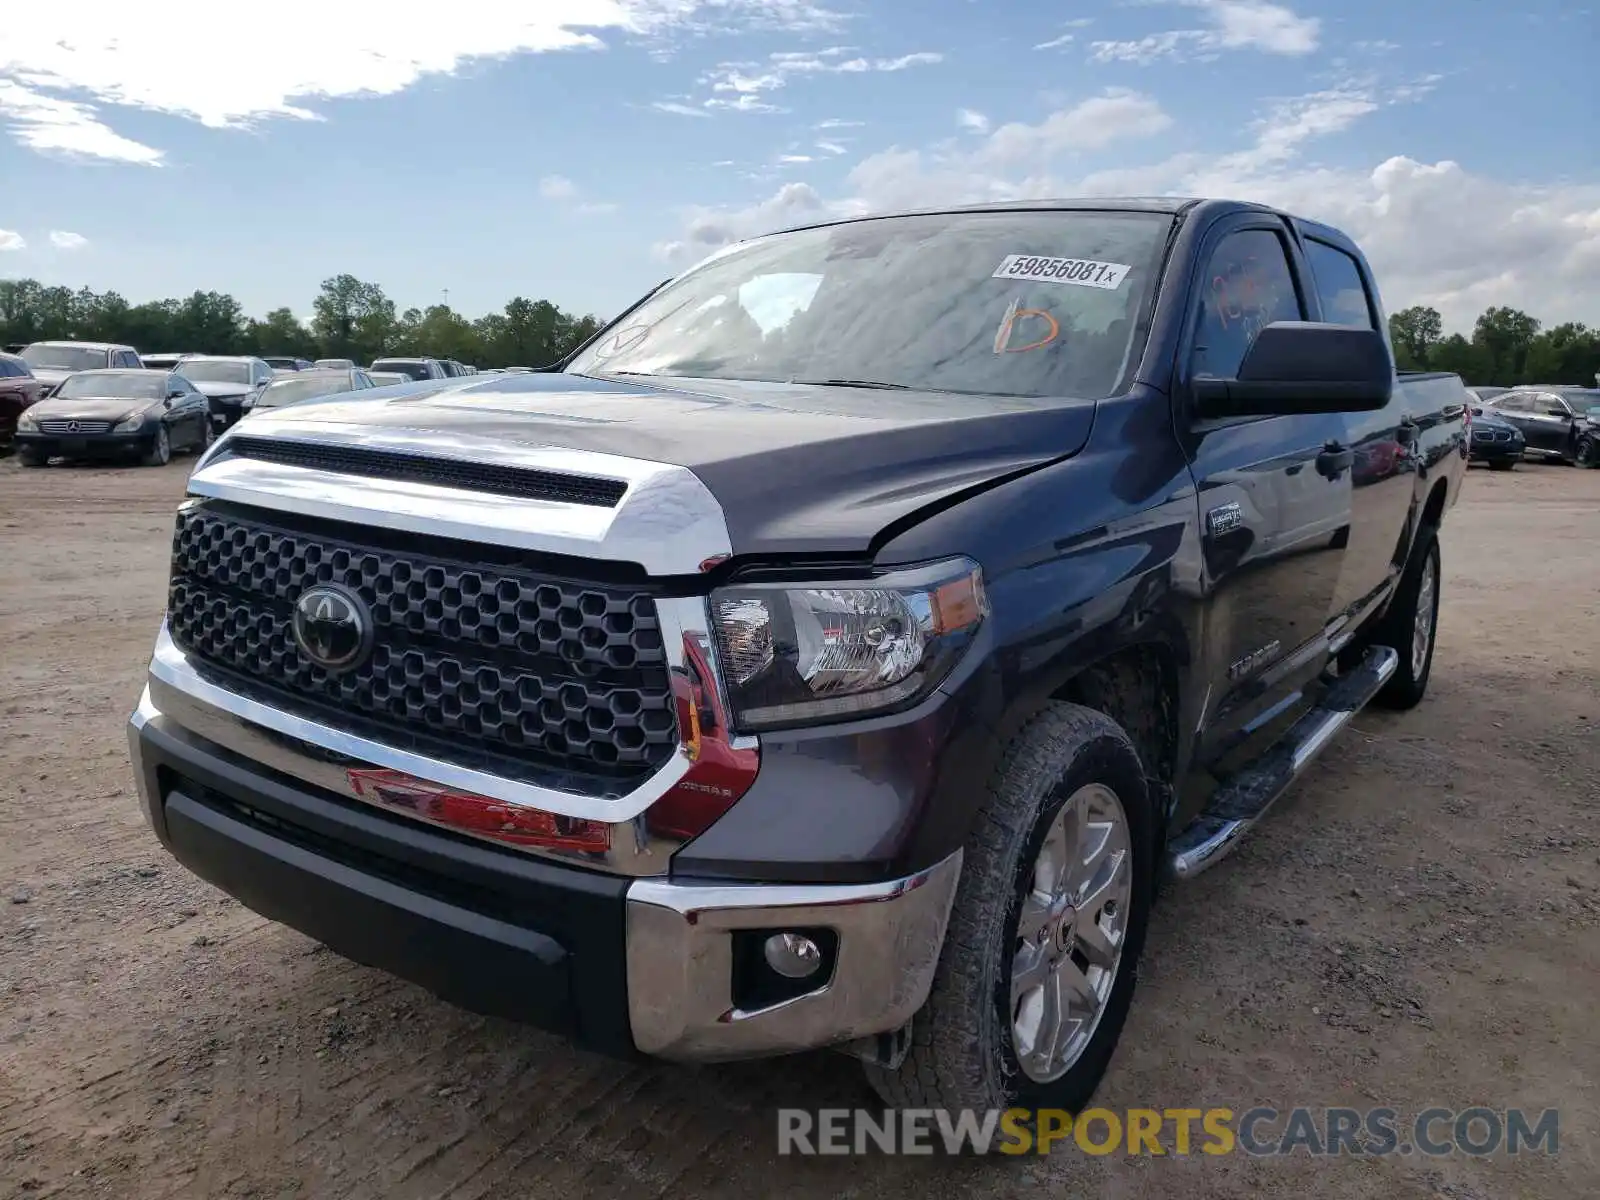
pixel 838 650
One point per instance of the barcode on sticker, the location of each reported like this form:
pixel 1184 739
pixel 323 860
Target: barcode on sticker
pixel 1085 272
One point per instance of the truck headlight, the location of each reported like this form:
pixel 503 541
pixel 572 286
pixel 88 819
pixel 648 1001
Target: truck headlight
pixel 132 425
pixel 798 655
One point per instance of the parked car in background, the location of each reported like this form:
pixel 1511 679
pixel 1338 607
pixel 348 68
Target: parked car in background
pixel 163 362
pixel 387 378
pixel 14 347
pixel 115 413
pixel 1551 418
pixel 335 364
pixel 1495 440
pixel 230 381
pixel 19 390
pixel 1486 391
pixel 51 362
pixel 1588 435
pixel 307 385
pixel 412 368
pixel 280 362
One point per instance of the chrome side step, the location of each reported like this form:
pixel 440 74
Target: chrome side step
pixel 1245 799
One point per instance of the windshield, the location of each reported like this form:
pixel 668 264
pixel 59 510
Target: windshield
pixel 120 385
pixel 338 364
pixel 1031 304
pixel 216 372
pixel 63 358
pixel 287 391
pixel 411 370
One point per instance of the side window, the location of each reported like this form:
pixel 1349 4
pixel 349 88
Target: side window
pixel 6 369
pixel 1339 286
pixel 1512 402
pixel 1247 285
pixel 129 358
pixel 1549 406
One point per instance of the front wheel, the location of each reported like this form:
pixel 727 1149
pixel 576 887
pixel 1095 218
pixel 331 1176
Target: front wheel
pixel 1588 451
pixel 1410 625
pixel 160 452
pixel 1040 957
pixel 29 457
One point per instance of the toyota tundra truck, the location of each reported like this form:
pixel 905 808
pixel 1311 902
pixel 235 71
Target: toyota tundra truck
pixel 840 649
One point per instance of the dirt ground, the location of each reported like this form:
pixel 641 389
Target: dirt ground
pixel 1418 924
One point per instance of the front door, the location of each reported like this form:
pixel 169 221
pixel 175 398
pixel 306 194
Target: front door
pixel 1274 499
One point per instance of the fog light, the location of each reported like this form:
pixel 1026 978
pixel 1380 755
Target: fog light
pixel 792 955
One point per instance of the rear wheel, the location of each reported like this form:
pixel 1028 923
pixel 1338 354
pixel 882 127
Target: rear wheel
pixel 1410 625
pixel 1039 961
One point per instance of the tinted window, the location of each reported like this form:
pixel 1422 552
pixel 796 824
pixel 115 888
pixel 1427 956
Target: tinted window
pixel 1339 286
pixel 128 385
pixel 63 358
pixel 410 368
pixel 1548 405
pixel 1248 285
pixel 217 372
pixel 1511 403
pixel 302 387
pixel 1016 304
pixel 8 369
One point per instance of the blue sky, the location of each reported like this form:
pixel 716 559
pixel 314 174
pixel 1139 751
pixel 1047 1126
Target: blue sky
pixel 585 152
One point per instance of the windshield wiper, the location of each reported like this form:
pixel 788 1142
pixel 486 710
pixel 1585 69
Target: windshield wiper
pixel 878 385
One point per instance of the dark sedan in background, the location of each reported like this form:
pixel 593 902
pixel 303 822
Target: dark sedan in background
pixel 1552 418
pixel 1495 440
pixel 233 382
pixel 115 414
pixel 19 390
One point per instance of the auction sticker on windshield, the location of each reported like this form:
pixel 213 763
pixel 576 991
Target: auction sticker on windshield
pixel 1084 272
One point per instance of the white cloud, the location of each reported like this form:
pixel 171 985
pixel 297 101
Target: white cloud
pixel 1053 43
pixel 66 68
pixel 1437 233
pixel 790 160
pixel 63 239
pixel 745 86
pixel 557 187
pixel 972 120
pixel 833 148
pixel 837 123
pixel 11 240
pixel 1229 25
pixel 678 108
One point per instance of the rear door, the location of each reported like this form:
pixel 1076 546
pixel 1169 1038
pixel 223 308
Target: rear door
pixel 1549 424
pixel 1274 496
pixel 1517 408
pixel 1384 471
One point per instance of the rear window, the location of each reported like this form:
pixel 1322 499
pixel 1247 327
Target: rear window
pixel 63 358
pixel 304 387
pixel 411 369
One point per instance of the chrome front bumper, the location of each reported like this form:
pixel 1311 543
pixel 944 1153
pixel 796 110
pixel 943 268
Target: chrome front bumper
pixel 679 937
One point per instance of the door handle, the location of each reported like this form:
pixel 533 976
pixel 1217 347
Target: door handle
pixel 1407 433
pixel 1334 460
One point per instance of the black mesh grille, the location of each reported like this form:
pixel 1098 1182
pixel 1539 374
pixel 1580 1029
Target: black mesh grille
pixel 477 477
pixel 491 659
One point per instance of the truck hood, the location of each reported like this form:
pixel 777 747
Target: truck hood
pixel 795 468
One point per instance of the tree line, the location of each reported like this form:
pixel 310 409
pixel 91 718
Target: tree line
pixel 350 319
pixel 1507 346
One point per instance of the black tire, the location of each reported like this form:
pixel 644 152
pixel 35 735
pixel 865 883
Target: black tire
pixel 1588 452
pixel 1409 683
pixel 208 434
pixel 962 1053
pixel 31 458
pixel 1503 464
pixel 160 452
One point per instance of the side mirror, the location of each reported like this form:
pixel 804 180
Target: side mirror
pixel 1303 367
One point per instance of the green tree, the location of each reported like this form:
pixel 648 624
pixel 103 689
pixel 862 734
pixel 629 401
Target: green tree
pixel 352 319
pixel 279 332
pixel 1506 335
pixel 1415 332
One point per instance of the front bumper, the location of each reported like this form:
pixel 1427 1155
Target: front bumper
pixel 620 965
pixel 91 445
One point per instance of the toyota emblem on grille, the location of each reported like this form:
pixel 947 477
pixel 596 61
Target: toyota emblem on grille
pixel 333 627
